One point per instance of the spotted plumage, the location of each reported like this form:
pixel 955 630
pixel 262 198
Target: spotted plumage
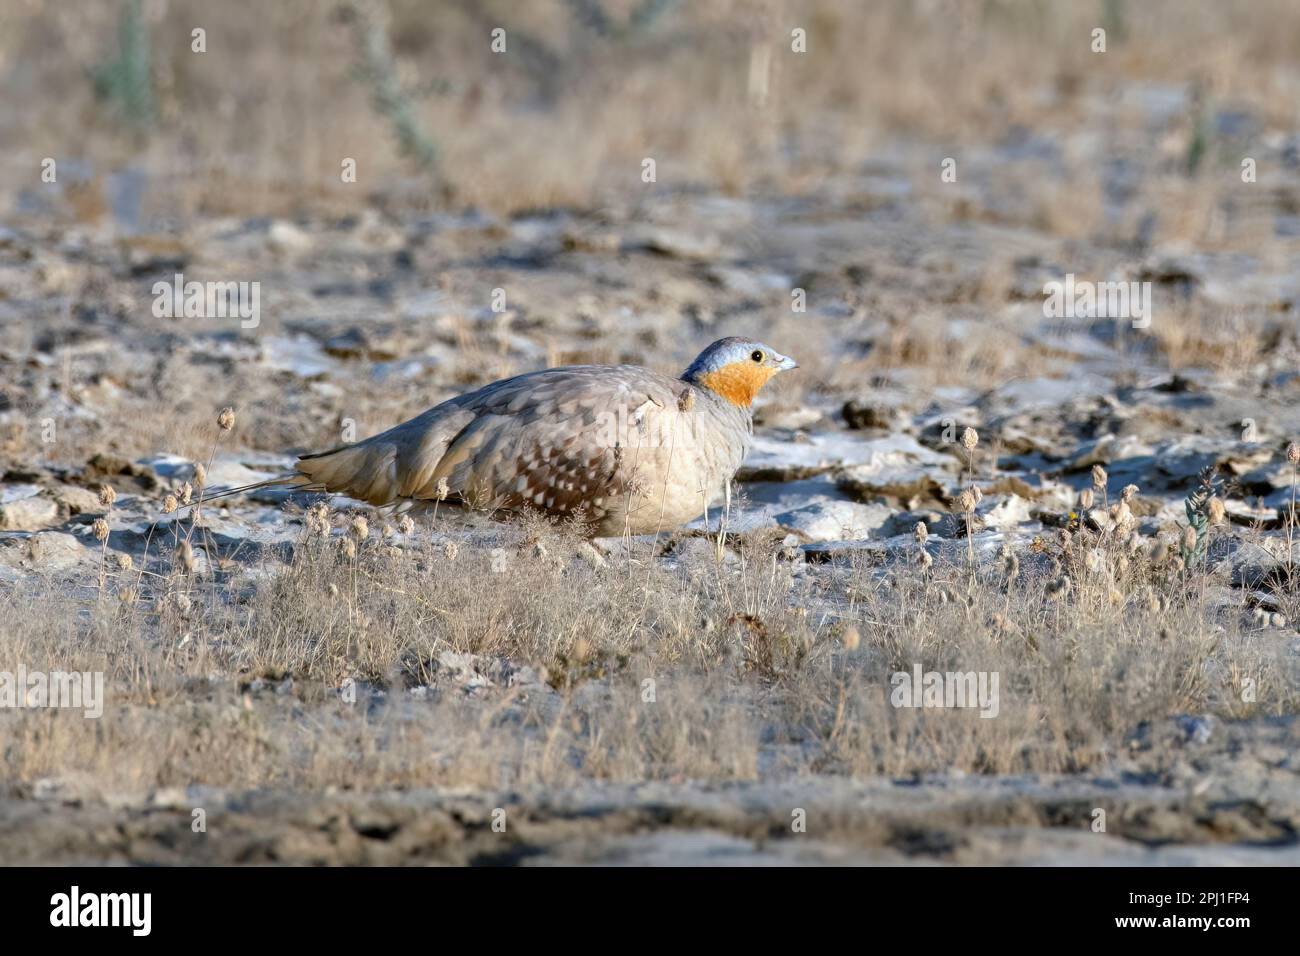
pixel 621 448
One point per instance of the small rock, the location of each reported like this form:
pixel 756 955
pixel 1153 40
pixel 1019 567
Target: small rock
pixel 905 522
pixel 1196 729
pixel 131 477
pixel 835 520
pixel 170 468
pixel 29 514
pixel 171 798
pixel 77 500
pixel 463 670
pixel 775 459
pixel 49 551
pixel 674 243
pixel 10 493
pixel 787 416
pixel 286 238
pixel 47 788
pixel 911 486
pixel 1005 513
pixel 860 414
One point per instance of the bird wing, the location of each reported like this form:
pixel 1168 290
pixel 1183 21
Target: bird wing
pixel 559 440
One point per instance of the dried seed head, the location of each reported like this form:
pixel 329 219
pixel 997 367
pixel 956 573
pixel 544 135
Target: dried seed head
pixel 183 603
pixel 226 420
pixel 107 496
pixel 1099 478
pixel 185 556
pixel 200 476
pixel 966 501
pixel 1065 539
pixel 348 548
pixel 1216 511
pixel 924 560
pixel 443 489
pixel 1085 499
pixel 1127 494
pixel 123 561
pixel 318 519
pixel 581 649
pixel 360 528
pixel 1189 538
pixel 186 493
pixel 451 549
pixel 169 504
pixel 101 529
pixel 1293 453
pixel 405 525
pixel 921 533
pixel 969 439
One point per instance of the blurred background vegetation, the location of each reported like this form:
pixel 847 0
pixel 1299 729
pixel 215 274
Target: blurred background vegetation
pixel 260 123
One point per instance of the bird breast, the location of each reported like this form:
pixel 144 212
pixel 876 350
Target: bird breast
pixel 678 457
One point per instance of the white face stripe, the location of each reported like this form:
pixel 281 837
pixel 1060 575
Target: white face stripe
pixel 769 353
pixel 738 352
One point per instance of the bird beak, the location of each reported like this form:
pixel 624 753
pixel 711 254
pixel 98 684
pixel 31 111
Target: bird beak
pixel 785 363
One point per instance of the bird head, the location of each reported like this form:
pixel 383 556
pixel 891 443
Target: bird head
pixel 736 368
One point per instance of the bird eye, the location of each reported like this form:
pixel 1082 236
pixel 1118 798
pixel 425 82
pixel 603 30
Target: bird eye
pixel 757 356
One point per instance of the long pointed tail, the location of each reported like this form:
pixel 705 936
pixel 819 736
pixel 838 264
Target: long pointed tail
pixel 297 482
pixel 365 471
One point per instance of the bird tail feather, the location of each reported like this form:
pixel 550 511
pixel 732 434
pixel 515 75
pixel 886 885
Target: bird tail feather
pixel 365 471
pixel 299 482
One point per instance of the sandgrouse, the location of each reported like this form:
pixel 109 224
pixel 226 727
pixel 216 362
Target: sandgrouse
pixel 620 449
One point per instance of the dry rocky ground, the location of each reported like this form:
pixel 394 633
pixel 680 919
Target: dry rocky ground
pixel 331 693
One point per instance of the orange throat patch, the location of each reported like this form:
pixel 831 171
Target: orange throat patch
pixel 738 382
